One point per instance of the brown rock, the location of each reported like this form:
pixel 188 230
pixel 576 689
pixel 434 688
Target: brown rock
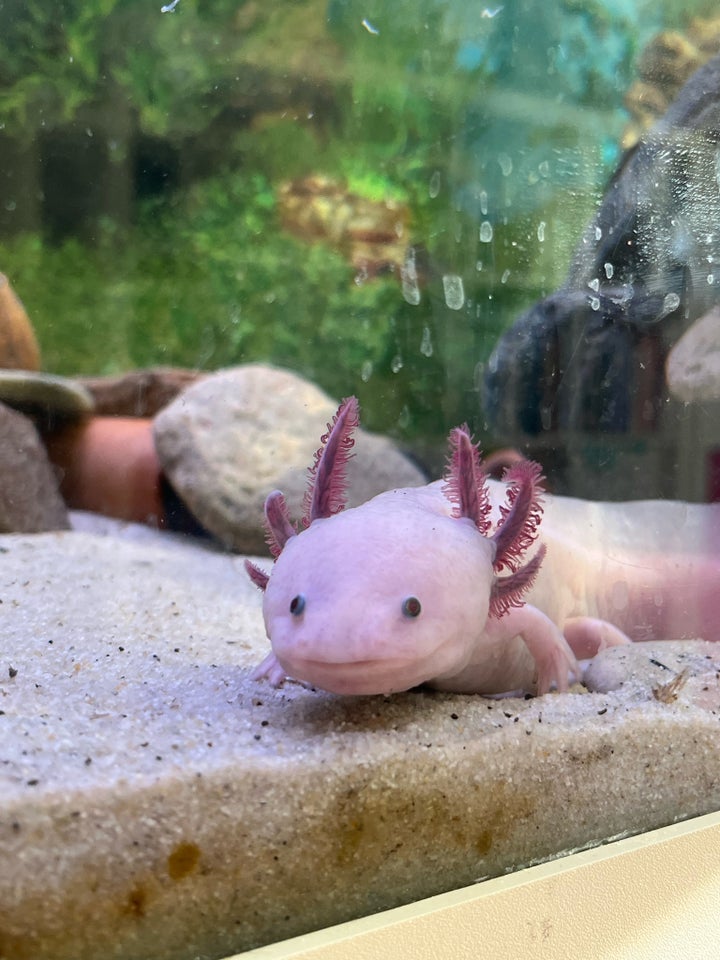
pixel 108 465
pixel 29 497
pixel 139 393
pixel 18 347
pixel 666 63
pixel 230 439
pixel 669 60
pixel 371 234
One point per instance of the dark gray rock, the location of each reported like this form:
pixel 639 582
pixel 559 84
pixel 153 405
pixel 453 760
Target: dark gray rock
pixel 589 359
pixel 30 501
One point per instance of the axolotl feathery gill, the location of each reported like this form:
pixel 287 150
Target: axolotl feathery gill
pixel 414 586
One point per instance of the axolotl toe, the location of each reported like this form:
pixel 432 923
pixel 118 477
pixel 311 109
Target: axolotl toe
pixel 412 587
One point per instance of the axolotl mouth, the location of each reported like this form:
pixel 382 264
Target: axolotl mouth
pixel 359 677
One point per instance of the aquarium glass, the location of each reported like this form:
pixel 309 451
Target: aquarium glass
pixel 502 214
pixel 370 194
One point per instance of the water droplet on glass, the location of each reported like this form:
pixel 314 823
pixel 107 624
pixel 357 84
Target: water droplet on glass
pixel 541 231
pixel 454 291
pixel 478 376
pixel 434 188
pixel 366 371
pixel 609 271
pixel 710 278
pixel 594 303
pixel 544 169
pixel 506 164
pixel 598 233
pixel 426 347
pixel 483 203
pixel 505 277
pixel 594 284
pixel 479 266
pixel 396 363
pixel 486 231
pixel 670 303
pixel 409 279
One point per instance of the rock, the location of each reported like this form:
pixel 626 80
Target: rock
pixel 18 347
pixel 230 439
pixel 157 803
pixel 371 234
pixel 693 365
pixel 667 62
pixel 109 465
pixel 47 398
pixel 580 377
pixel 29 496
pixel 139 393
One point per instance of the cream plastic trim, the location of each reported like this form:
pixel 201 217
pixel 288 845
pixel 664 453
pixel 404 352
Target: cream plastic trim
pixel 648 897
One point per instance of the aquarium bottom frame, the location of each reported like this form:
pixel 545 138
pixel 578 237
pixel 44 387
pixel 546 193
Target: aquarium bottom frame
pixel 641 898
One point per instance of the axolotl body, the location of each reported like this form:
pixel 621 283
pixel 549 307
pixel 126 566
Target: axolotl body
pixel 446 584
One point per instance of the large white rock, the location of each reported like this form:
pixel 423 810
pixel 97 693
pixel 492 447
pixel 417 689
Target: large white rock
pixel 234 436
pixel 156 804
pixel 693 365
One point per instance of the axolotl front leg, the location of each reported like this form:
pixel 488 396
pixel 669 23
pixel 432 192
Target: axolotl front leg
pixel 522 651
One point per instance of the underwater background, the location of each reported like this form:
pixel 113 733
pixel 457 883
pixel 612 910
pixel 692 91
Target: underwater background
pixel 365 192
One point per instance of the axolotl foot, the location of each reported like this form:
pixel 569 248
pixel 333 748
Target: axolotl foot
pixel 555 662
pixel 587 636
pixel 271 670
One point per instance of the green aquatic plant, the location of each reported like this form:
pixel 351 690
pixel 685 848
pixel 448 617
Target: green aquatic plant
pixel 492 142
pixel 207 281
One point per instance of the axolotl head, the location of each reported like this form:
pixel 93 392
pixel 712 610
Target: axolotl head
pixel 379 598
pixel 389 595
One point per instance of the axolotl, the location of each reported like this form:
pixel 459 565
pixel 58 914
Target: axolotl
pixel 447 585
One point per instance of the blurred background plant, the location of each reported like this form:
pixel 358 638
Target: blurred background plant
pixel 205 184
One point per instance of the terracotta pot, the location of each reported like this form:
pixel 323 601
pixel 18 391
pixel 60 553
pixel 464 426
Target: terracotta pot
pixel 109 465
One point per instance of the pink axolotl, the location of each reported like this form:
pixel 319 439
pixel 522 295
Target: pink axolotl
pixel 433 585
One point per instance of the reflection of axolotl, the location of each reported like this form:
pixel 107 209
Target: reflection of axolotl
pixel 430 585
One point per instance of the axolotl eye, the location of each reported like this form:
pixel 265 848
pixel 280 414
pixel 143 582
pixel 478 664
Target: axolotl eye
pixel 411 607
pixel 297 605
